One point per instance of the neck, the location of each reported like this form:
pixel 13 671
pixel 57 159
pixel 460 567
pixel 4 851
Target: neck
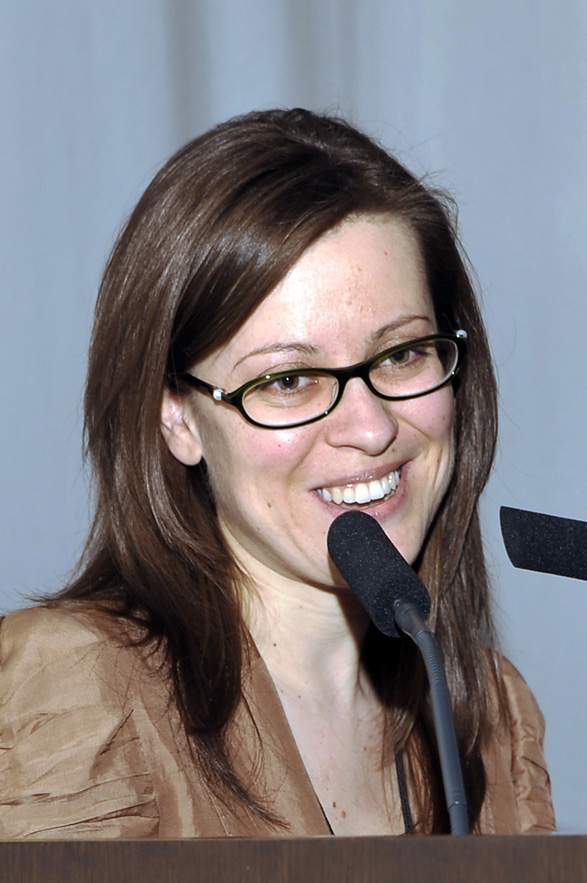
pixel 310 638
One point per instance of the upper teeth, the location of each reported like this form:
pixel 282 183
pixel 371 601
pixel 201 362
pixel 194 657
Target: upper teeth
pixel 363 492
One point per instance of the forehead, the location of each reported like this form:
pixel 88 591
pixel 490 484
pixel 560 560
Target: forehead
pixel 359 277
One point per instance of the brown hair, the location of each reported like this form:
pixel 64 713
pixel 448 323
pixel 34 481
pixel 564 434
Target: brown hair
pixel 215 231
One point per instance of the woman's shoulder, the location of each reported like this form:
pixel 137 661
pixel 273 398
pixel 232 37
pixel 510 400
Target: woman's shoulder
pixel 72 760
pixel 513 689
pixel 59 626
pixel 67 639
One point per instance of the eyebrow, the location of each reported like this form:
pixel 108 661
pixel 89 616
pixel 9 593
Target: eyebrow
pixel 396 325
pixel 308 349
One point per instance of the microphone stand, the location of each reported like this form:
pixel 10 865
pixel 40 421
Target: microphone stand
pixel 410 621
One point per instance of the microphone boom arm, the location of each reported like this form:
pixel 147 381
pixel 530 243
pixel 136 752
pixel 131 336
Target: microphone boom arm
pixel 411 622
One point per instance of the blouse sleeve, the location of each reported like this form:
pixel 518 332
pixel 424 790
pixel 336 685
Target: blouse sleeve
pixel 530 778
pixel 71 763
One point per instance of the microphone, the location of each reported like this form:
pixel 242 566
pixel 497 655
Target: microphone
pixel 377 573
pixel 546 543
pixel 396 599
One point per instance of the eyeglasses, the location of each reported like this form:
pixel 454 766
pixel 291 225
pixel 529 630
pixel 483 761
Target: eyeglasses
pixel 300 396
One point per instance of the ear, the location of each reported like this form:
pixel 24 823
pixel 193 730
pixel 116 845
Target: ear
pixel 179 429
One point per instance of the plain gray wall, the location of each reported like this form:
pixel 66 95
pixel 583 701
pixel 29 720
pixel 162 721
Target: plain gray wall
pixel 491 97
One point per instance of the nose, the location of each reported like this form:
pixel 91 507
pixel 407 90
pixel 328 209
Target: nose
pixel 361 420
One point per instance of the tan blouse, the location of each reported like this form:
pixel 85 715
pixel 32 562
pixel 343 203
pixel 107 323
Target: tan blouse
pixel 91 746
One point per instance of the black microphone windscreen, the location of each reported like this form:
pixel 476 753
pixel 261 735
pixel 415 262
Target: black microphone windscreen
pixel 546 543
pixel 374 569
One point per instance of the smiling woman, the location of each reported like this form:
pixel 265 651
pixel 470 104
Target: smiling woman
pixel 285 329
pixel 356 292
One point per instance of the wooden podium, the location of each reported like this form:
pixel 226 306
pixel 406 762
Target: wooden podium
pixel 527 859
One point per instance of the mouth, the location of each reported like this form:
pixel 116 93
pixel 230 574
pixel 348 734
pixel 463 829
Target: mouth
pixel 362 493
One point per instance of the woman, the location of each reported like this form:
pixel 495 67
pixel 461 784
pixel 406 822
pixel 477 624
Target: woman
pixel 209 673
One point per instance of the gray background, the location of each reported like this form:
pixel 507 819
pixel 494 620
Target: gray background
pixel 490 97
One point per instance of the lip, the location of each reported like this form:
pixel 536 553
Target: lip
pixel 382 510
pixel 379 509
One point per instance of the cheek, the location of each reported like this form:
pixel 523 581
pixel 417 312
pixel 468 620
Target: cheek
pixel 442 411
pixel 442 436
pixel 433 416
pixel 280 450
pixel 433 422
pixel 240 457
pixel 442 430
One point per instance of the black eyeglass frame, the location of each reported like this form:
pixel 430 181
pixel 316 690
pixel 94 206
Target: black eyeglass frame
pixel 341 375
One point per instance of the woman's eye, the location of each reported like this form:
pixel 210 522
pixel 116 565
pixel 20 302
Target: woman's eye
pixel 399 358
pixel 412 359
pixel 287 384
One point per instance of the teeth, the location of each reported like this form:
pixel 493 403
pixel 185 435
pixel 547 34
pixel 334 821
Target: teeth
pixel 377 489
pixel 362 492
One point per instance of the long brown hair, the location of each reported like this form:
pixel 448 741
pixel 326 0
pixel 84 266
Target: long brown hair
pixel 216 230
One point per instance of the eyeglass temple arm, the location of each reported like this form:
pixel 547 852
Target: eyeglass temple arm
pixel 216 392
